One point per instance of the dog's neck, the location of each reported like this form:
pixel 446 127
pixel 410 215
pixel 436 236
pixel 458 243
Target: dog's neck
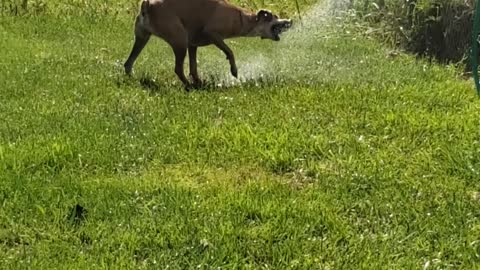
pixel 248 21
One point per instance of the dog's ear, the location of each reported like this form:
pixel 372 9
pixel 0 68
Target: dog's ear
pixel 264 15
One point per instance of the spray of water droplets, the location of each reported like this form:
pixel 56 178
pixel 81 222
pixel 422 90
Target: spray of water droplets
pixel 296 57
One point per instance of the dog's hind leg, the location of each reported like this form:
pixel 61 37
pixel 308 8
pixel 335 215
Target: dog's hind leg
pixel 142 36
pixel 192 56
pixel 140 43
pixel 180 54
pixel 176 36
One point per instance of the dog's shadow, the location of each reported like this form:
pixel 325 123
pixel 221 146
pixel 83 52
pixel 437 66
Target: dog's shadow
pixel 216 83
pixel 154 86
pixel 212 83
pixel 150 85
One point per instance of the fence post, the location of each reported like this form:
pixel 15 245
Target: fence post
pixel 475 41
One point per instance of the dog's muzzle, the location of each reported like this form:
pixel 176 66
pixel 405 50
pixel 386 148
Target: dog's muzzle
pixel 279 28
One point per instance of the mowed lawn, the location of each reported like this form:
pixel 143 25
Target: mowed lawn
pixel 331 153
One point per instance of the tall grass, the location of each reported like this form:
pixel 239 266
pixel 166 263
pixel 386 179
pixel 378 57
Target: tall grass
pixel 103 7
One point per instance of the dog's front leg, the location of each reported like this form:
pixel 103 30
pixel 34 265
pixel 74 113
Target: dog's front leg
pixel 218 41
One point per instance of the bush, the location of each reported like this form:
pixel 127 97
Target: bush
pixel 439 29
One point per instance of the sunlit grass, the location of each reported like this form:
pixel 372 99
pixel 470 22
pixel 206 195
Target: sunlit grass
pixel 328 154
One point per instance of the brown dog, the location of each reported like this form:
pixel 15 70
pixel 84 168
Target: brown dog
pixel 189 24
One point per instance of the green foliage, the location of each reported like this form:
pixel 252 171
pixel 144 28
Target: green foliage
pixel 436 28
pixel 119 7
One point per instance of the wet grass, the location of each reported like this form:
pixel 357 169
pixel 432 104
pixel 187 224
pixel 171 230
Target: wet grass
pixel 330 153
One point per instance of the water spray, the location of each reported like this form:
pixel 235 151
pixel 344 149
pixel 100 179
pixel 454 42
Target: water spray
pixel 290 56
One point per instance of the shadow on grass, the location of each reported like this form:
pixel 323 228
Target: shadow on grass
pixel 214 83
pixel 150 84
pixel 211 84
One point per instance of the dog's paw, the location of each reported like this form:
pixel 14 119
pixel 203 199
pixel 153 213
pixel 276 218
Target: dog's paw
pixel 198 84
pixel 128 70
pixel 189 87
pixel 234 71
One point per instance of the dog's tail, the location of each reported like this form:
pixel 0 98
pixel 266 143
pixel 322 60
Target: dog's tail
pixel 144 7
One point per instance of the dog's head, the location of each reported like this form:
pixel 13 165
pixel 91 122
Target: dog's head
pixel 270 26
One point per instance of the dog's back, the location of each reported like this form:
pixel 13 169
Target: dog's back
pixel 194 15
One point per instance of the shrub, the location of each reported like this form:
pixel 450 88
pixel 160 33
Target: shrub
pixel 439 29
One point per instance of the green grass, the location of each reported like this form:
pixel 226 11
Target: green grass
pixel 338 157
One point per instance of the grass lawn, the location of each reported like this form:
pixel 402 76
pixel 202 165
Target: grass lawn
pixel 328 154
